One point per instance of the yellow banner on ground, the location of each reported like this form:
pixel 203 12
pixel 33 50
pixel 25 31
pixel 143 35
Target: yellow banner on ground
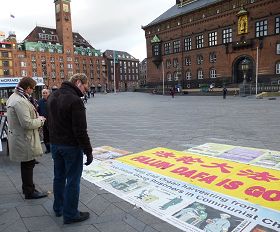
pixel 251 183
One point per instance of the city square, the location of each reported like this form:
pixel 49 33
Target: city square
pixel 137 122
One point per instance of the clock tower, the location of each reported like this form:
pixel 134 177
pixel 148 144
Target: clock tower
pixel 64 25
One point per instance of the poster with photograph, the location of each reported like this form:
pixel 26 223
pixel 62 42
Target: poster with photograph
pixel 182 203
pixel 260 157
pixel 209 219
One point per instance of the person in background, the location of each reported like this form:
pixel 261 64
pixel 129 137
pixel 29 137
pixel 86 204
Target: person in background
pixel 224 93
pixel 42 110
pixel 69 140
pixel 172 92
pixel 23 134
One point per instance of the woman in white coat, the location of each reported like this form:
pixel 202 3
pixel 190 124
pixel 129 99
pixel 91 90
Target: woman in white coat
pixel 23 135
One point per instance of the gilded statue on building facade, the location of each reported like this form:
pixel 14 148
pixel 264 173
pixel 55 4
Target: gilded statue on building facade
pixel 242 21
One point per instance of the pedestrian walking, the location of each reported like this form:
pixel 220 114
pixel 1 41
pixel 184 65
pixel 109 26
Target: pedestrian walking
pixel 69 140
pixel 23 134
pixel 224 93
pixel 172 92
pixel 42 110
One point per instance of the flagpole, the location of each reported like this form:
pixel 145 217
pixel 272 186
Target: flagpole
pixel 114 72
pixel 162 78
pixel 257 70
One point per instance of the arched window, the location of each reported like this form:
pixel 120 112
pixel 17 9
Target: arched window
pixel 213 73
pixel 175 76
pixel 169 76
pixel 168 63
pixel 188 61
pixel 277 67
pixel 188 75
pixel 199 59
pixel 199 74
pixel 175 62
pixel 212 57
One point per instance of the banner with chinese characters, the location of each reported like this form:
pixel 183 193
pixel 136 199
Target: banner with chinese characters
pixel 260 157
pixel 255 184
pixel 181 204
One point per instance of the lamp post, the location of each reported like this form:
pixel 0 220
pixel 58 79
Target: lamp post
pixel 178 74
pixel 244 68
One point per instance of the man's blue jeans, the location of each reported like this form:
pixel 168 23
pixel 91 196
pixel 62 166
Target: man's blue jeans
pixel 68 167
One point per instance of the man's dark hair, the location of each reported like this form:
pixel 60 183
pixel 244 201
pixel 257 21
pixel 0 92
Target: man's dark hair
pixel 27 82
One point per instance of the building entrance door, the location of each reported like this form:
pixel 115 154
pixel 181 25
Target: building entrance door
pixel 243 70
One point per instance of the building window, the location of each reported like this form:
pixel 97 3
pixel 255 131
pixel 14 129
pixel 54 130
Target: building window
pixel 188 61
pixel 188 75
pixel 6 72
pixel 199 41
pixel 213 73
pixel 212 38
pixel 61 74
pixel 156 50
pixel 277 25
pixel 167 48
pixel 53 74
pixel 5 63
pixel 5 54
pixel 23 73
pixel 176 46
pixel 212 57
pixel 168 63
pixel 175 63
pixel 175 75
pixel 23 64
pixel 34 73
pixel 278 68
pixel 278 49
pixel 199 59
pixel 227 35
pixel 199 74
pixel 188 44
pixel 261 28
pixel 169 77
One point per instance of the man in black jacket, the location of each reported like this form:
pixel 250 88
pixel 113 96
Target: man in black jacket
pixel 69 140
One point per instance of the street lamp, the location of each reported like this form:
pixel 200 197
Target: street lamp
pixel 245 68
pixel 178 74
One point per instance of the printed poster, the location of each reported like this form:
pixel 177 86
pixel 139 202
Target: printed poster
pixel 181 204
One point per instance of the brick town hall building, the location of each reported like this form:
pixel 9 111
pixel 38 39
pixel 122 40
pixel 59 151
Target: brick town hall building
pixel 200 42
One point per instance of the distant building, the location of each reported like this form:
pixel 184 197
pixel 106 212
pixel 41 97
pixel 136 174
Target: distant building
pixel 56 53
pixel 200 42
pixel 124 68
pixel 143 73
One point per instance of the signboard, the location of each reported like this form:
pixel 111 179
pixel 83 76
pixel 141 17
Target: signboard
pixel 7 82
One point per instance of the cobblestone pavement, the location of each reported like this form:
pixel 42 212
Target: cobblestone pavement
pixel 137 122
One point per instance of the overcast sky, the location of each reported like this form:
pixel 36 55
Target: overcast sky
pixel 111 24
